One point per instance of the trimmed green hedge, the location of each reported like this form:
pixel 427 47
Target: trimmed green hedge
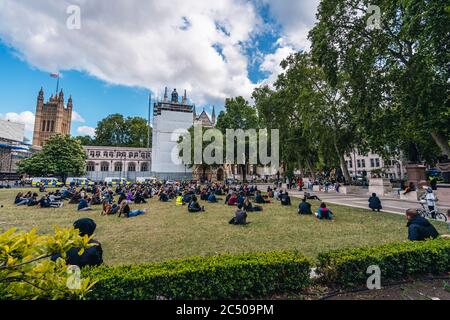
pixel 250 275
pixel 348 267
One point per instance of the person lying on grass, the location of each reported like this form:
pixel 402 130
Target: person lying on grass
pixel 194 206
pixel 323 213
pixel 126 211
pixel 240 217
pixel 249 207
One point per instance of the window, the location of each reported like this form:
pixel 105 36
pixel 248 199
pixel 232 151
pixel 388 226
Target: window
pixel 372 163
pixel 136 154
pixel 43 125
pixel 130 155
pixel 359 163
pixel 97 154
pixel 132 167
pixel 144 167
pixel 377 162
pixel 90 167
pixel 363 163
pixel 118 167
pixel 92 154
pixel 111 154
pixel 104 167
pixel 105 154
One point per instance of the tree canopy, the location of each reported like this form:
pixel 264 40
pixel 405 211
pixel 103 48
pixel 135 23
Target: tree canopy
pixel 61 156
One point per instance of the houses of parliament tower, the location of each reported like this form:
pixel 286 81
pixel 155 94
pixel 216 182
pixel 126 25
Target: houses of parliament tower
pixel 52 117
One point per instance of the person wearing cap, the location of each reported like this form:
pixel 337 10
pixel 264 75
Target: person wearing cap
pixel 92 256
pixel 419 228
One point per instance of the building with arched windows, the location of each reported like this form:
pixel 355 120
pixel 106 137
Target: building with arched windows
pixel 120 162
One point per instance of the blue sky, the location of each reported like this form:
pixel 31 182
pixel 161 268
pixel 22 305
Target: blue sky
pixel 116 58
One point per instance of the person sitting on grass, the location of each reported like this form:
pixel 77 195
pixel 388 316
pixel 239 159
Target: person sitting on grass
pixel 84 204
pixel 22 200
pixel 260 199
pixel 126 211
pixel 109 209
pixel 212 198
pixel 163 197
pixel 285 199
pixel 96 199
pixel 419 228
pixel 92 256
pixel 240 199
pixel 323 213
pixel 33 200
pixel 375 203
pixel 194 206
pixel 232 201
pixel 304 207
pixel 240 217
pixel 179 200
pixel 249 207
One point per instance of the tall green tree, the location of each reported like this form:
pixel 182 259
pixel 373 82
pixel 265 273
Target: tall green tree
pixel 398 71
pixel 238 114
pixel 61 156
pixel 116 130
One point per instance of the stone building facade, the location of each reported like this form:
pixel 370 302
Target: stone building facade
pixel 117 162
pixel 52 117
pixel 363 164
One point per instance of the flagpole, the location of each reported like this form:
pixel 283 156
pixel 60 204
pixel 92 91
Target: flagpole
pixel 57 86
pixel 149 123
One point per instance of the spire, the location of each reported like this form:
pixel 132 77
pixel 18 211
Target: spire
pixel 41 94
pixel 195 113
pixel 166 96
pixel 69 102
pixel 184 97
pixel 213 116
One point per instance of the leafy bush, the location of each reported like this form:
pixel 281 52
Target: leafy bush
pixel 219 277
pixel 348 267
pixel 26 271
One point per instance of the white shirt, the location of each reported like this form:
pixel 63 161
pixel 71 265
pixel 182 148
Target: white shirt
pixel 431 199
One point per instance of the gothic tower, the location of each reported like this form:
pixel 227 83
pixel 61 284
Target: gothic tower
pixel 51 118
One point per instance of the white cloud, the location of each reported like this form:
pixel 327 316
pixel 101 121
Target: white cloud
pixel 271 63
pixel 86 131
pixel 145 43
pixel 77 118
pixel 26 117
pixel 296 19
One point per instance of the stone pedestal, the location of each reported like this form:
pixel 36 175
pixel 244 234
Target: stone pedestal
pixel 417 175
pixel 410 196
pixel 350 189
pixel 380 186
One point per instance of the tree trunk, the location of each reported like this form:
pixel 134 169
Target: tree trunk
pixel 442 142
pixel 311 169
pixel 344 168
pixel 244 173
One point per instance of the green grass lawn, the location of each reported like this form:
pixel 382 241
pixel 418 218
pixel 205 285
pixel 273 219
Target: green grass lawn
pixel 168 231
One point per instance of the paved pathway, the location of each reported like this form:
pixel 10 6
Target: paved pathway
pixel 389 204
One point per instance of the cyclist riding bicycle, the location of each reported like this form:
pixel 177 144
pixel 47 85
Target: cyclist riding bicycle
pixel 431 200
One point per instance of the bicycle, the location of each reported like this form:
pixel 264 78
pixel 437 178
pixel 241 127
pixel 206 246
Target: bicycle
pixel 433 214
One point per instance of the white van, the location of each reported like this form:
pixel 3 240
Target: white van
pixel 47 182
pixel 84 182
pixel 144 180
pixel 116 181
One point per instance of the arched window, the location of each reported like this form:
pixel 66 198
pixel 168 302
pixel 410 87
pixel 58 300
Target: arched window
pixel 118 166
pixel 90 167
pixel 144 167
pixel 104 167
pixel 132 167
